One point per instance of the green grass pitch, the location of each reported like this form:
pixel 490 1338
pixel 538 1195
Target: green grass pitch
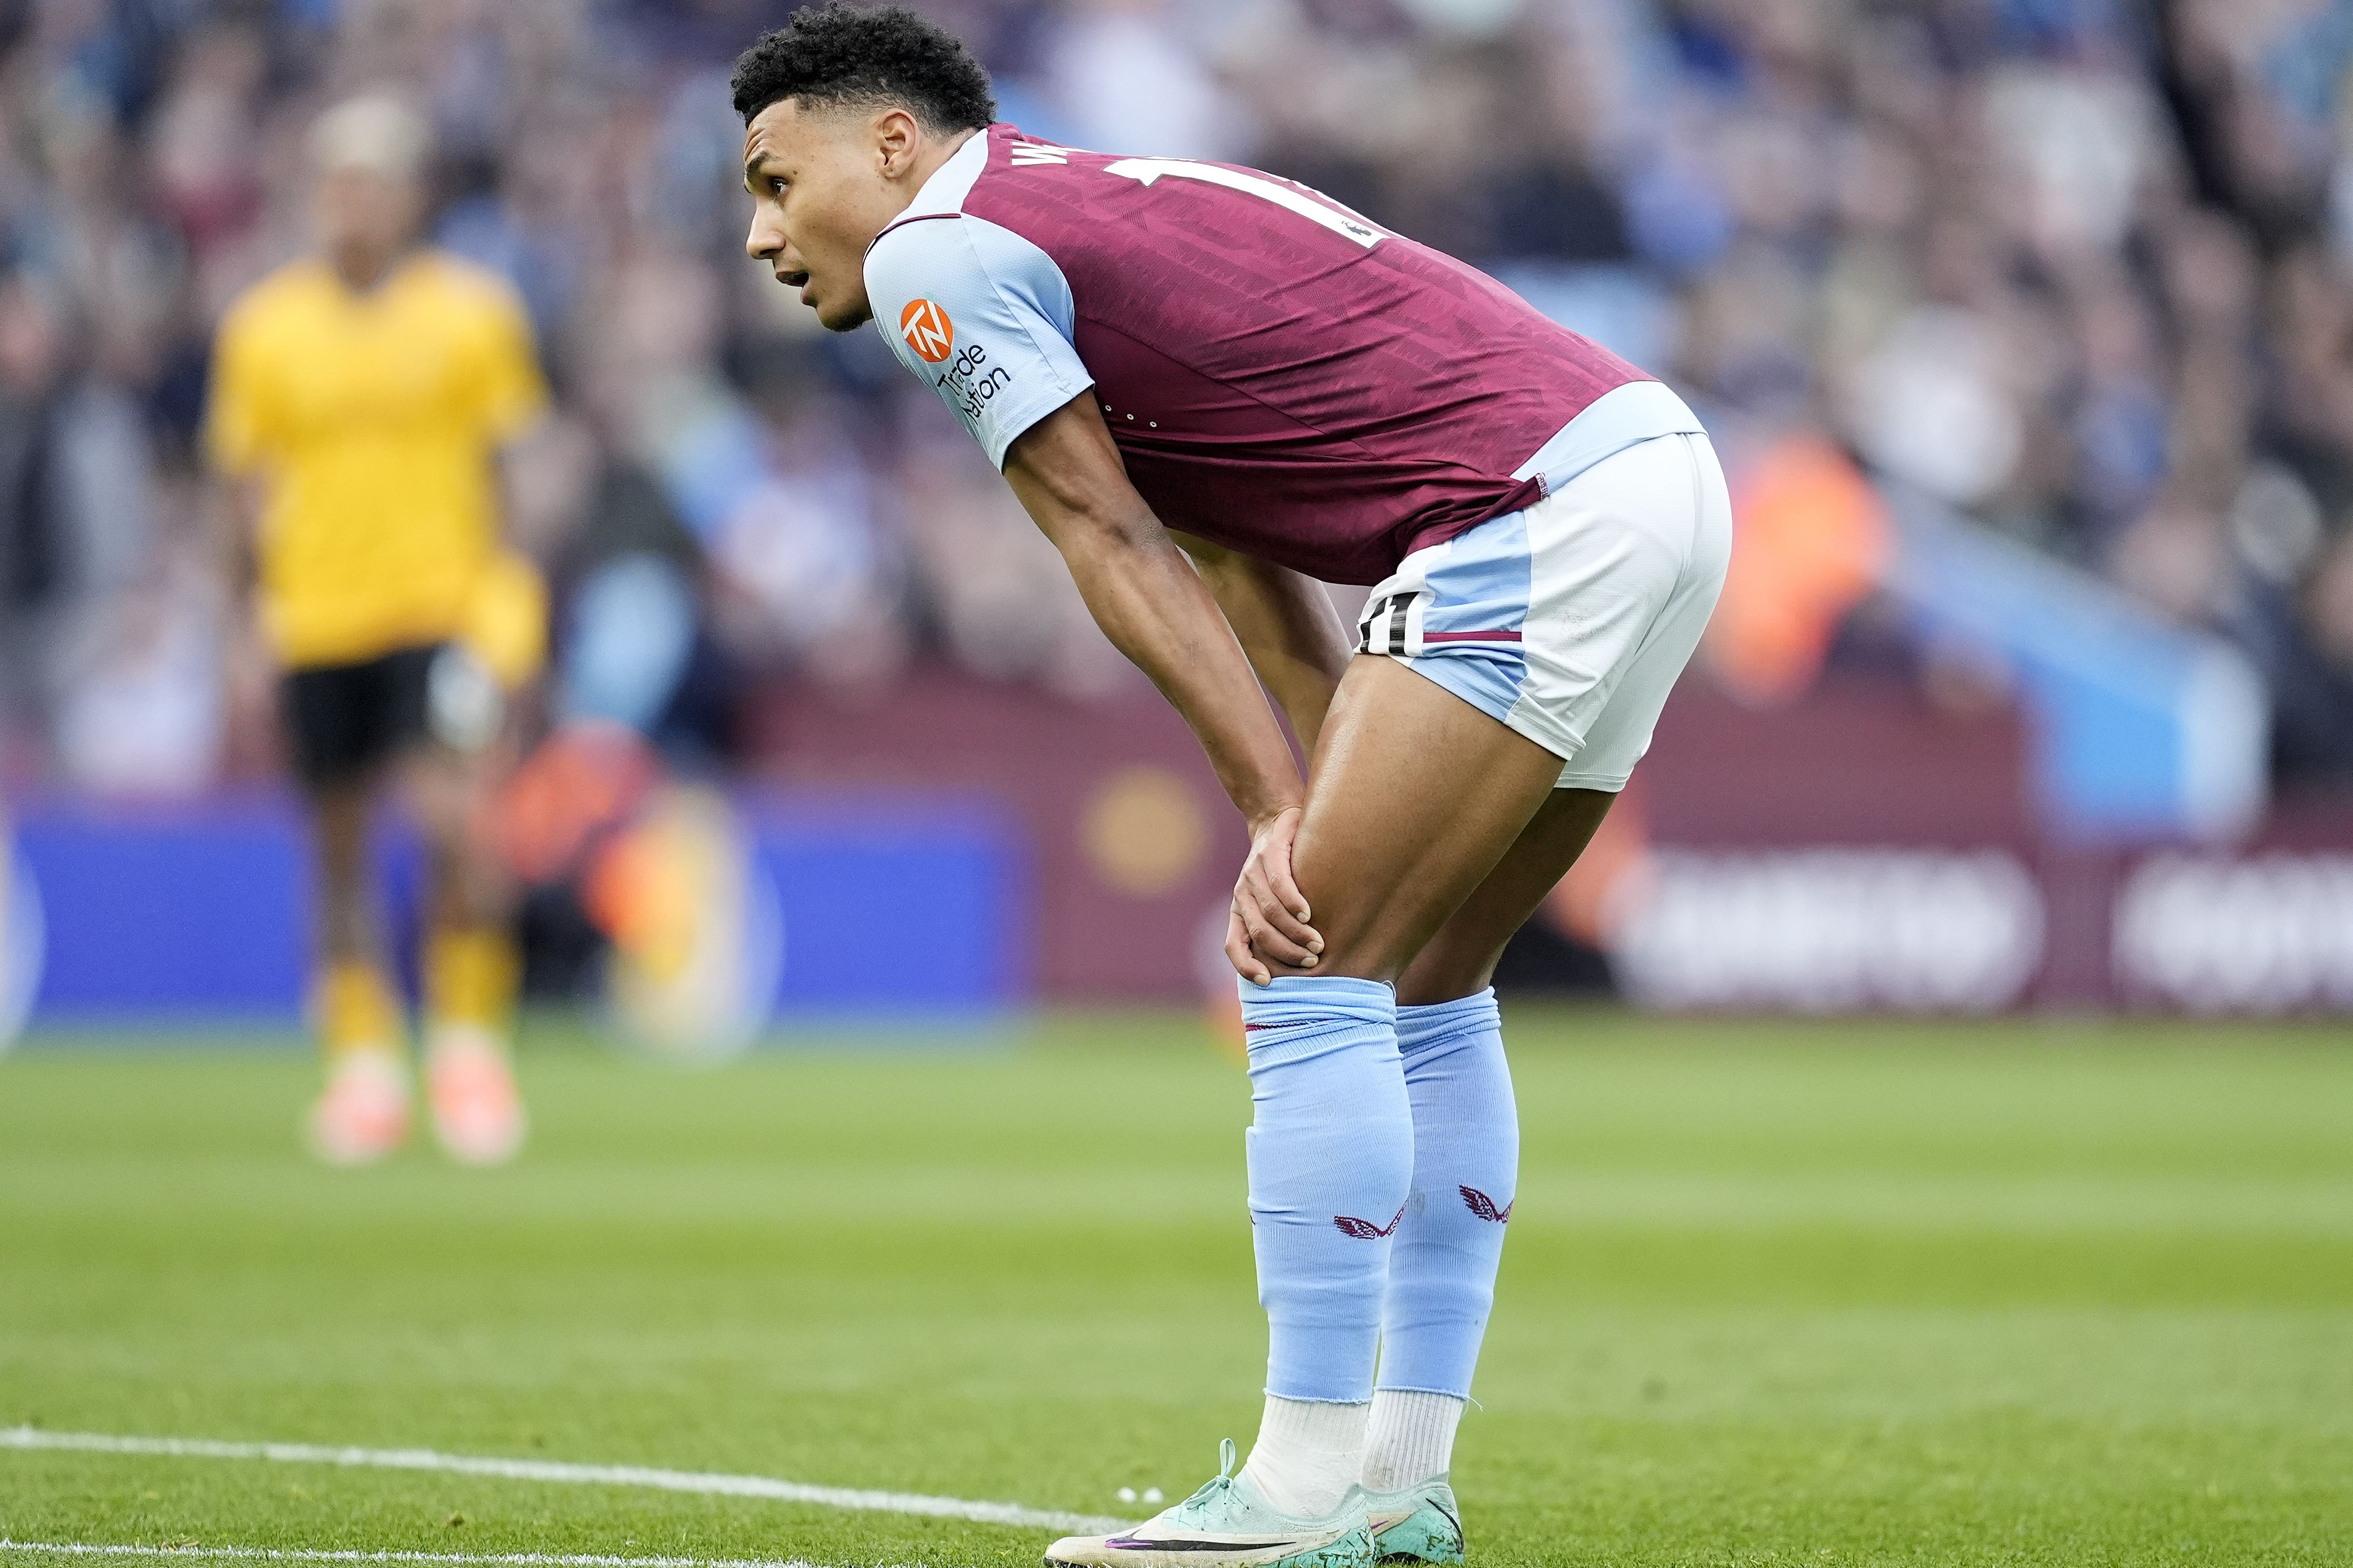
pixel 2013 1292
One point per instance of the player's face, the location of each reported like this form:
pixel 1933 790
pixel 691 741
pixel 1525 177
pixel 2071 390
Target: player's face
pixel 823 184
pixel 363 214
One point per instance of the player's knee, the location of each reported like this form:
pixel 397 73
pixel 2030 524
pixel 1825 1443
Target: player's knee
pixel 1353 949
pixel 443 798
pixel 339 828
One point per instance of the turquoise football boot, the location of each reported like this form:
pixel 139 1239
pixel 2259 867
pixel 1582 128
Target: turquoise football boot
pixel 1423 1524
pixel 1229 1524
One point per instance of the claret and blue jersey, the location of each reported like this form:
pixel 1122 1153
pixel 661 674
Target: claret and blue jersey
pixel 1282 376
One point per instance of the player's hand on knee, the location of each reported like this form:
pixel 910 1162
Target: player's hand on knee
pixel 1237 948
pixel 1252 955
pixel 1269 923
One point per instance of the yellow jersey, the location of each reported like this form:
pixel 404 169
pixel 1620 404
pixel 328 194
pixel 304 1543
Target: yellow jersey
pixel 372 419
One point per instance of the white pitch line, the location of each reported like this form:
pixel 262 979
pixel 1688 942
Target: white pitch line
pixel 287 1554
pixel 980 1512
pixel 475 1559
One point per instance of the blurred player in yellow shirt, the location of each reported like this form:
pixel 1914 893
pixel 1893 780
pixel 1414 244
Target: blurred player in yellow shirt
pixel 361 398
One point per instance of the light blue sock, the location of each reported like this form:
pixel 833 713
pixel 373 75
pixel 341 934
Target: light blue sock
pixel 1466 1164
pixel 1331 1155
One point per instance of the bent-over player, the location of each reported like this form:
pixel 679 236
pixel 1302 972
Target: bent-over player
pixel 1168 358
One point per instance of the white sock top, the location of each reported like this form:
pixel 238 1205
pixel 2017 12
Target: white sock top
pixel 1409 1439
pixel 1308 1454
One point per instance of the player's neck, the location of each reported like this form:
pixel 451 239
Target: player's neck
pixel 364 269
pixel 929 162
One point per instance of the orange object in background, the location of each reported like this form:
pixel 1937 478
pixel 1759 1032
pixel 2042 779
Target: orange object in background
pixel 1810 537
pixel 640 890
pixel 583 782
pixel 697 925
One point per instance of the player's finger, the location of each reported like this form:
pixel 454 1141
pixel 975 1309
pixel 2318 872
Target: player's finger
pixel 1277 871
pixel 1269 944
pixel 1279 878
pixel 1265 941
pixel 1257 887
pixel 1238 951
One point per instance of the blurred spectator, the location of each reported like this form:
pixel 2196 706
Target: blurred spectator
pixel 361 398
pixel 2076 269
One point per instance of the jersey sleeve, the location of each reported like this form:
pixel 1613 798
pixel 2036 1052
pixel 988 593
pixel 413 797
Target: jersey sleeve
pixel 237 408
pixel 512 395
pixel 983 316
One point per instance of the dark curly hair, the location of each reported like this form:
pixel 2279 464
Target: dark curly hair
pixel 839 54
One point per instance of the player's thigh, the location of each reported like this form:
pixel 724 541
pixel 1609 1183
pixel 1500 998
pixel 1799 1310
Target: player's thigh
pixel 1623 566
pixel 1414 796
pixel 447 763
pixel 1460 958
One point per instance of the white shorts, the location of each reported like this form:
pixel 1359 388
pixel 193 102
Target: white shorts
pixel 1569 621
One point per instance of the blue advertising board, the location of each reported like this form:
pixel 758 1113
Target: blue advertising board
pixel 908 906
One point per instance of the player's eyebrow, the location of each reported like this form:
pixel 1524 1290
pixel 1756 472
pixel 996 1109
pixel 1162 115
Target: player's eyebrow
pixel 756 157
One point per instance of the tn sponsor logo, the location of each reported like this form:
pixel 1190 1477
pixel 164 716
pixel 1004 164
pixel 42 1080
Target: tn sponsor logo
pixel 927 329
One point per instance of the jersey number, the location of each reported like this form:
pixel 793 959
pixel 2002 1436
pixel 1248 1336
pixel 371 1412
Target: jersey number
pixel 1346 225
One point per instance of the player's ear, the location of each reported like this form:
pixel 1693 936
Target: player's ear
pixel 896 136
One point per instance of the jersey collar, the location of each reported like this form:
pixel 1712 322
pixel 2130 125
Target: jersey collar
pixel 944 192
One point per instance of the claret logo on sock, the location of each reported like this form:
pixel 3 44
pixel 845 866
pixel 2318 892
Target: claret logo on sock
pixel 1365 1229
pixel 1483 1205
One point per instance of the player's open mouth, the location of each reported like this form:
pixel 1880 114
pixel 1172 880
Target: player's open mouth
pixel 795 280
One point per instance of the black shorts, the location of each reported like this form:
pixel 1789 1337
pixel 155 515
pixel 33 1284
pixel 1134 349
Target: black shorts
pixel 344 720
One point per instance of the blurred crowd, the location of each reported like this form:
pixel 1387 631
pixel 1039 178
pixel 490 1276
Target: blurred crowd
pixel 2075 269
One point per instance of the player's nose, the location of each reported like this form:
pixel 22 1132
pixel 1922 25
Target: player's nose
pixel 765 240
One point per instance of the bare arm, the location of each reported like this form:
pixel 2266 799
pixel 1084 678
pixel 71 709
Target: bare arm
pixel 1156 610
pixel 1152 605
pixel 238 502
pixel 1287 624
